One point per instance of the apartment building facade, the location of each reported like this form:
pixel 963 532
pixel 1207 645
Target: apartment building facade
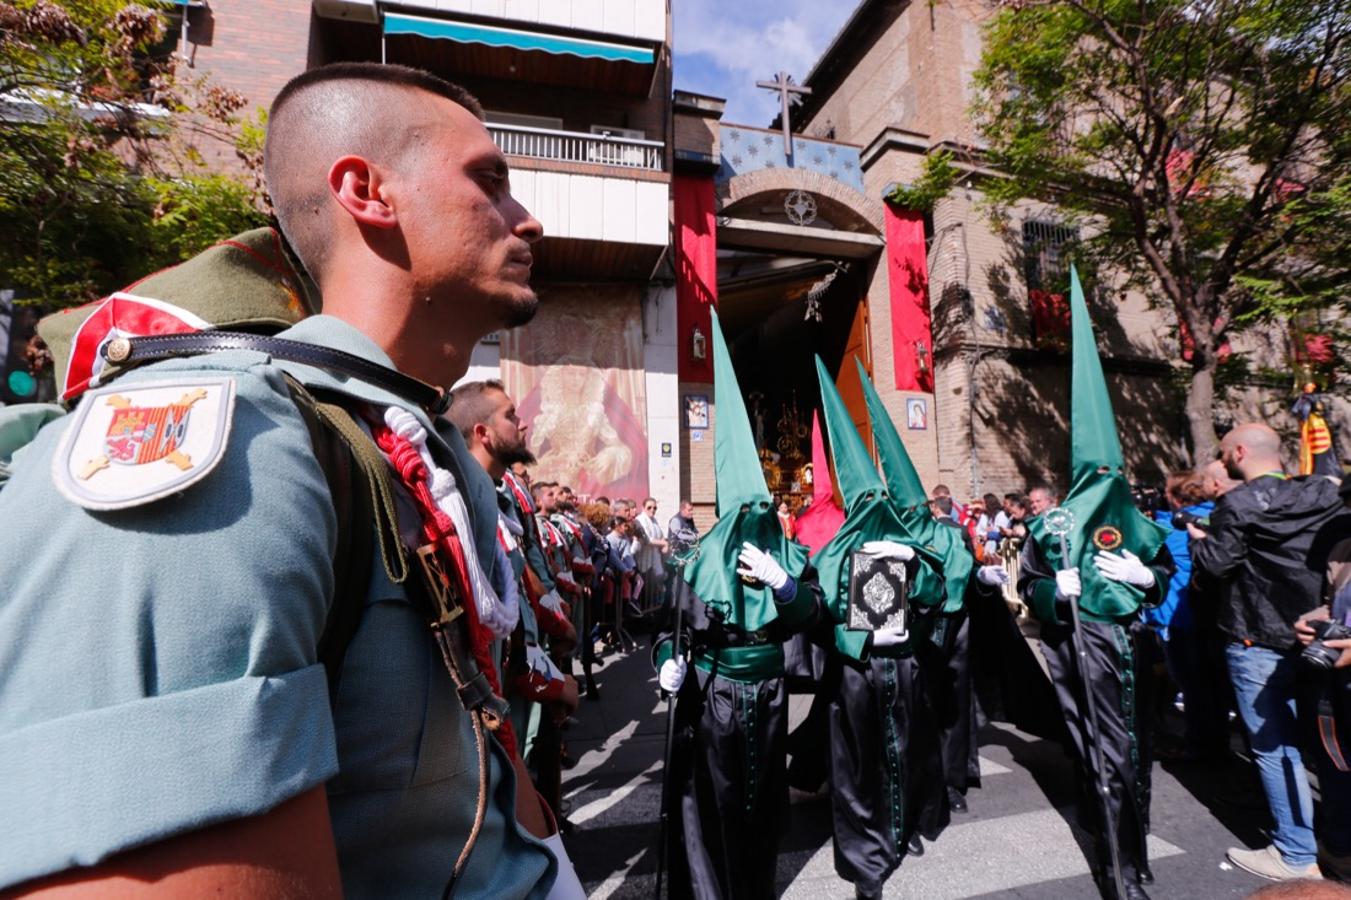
pixel 577 95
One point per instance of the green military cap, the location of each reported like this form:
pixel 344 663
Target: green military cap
pixel 249 282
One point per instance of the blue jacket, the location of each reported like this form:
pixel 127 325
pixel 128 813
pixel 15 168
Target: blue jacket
pixel 1175 610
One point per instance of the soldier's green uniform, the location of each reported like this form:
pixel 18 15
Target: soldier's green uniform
pixel 167 676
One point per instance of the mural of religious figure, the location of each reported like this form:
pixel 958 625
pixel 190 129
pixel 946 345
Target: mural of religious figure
pixel 576 373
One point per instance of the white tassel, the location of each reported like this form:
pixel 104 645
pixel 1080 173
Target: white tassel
pixel 498 617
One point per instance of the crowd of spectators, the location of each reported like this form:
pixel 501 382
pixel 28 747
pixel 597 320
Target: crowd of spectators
pixel 1255 627
pixel 1241 635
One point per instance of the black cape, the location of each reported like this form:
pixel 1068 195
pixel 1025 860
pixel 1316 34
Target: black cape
pixel 728 780
pixel 1112 679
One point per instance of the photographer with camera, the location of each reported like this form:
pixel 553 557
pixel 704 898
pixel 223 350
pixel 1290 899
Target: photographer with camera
pixel 1262 549
pixel 1326 634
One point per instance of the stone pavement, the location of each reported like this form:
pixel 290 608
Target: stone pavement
pixel 1018 840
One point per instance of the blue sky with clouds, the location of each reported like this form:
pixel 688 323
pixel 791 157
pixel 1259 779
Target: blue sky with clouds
pixel 722 47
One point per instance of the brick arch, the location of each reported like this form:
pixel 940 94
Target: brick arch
pixel 762 181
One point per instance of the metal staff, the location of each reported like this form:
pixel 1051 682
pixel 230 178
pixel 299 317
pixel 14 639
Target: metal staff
pixel 1060 522
pixel 680 596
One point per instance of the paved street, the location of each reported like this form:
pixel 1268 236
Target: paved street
pixel 1018 840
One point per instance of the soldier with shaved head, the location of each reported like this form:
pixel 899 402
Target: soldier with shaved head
pixel 1263 548
pixel 292 686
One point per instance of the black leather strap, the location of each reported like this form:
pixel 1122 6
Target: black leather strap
pixel 130 351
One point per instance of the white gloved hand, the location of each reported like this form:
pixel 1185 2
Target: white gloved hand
pixel 889 550
pixel 890 637
pixel 672 675
pixel 757 564
pixel 580 561
pixel 994 576
pixel 540 663
pixel 552 602
pixel 567 886
pixel 1125 566
pixel 1067 586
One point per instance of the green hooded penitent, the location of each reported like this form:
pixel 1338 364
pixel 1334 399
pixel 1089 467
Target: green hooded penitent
pixel 1105 516
pixel 870 515
pixel 907 494
pixel 745 511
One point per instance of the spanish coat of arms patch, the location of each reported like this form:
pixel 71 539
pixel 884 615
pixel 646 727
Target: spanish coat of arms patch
pixel 130 444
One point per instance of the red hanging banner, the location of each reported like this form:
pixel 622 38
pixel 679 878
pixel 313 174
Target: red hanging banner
pixel 696 250
pixel 908 277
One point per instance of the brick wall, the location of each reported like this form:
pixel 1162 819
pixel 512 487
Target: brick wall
pixel 696 134
pixel 696 459
pixel 252 46
pixel 880 91
pixel 916 76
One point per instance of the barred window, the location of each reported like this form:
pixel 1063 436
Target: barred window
pixel 1046 251
pixel 1047 247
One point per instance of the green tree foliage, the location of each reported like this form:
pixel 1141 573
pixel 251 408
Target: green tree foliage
pixel 102 175
pixel 1205 140
pixel 935 181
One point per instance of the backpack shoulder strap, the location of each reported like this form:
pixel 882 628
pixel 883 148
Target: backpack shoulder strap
pixel 363 501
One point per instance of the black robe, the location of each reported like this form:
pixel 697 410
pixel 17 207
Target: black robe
pixel 1112 680
pixel 886 776
pixel 728 786
pixel 947 674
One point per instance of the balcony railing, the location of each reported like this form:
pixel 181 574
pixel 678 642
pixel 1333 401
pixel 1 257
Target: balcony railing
pixel 573 146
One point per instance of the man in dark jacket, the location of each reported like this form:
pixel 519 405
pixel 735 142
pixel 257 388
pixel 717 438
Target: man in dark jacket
pixel 1261 548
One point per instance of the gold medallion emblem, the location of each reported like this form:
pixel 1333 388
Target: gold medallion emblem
pixel 1108 537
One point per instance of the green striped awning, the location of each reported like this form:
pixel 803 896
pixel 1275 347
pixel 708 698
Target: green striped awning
pixel 493 36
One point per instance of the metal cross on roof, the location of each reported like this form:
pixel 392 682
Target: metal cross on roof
pixel 790 95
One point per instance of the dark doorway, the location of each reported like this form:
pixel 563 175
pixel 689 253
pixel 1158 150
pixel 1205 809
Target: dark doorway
pixel 778 312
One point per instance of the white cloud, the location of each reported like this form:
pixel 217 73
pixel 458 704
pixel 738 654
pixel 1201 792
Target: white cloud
pixel 722 47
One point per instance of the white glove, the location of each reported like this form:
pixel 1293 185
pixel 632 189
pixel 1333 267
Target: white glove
pixel 994 576
pixel 890 637
pixel 552 602
pixel 672 675
pixel 759 565
pixel 567 886
pixel 1067 586
pixel 889 550
pixel 1125 566
pixel 580 561
pixel 540 663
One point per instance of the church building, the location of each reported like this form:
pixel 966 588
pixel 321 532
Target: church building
pixel 657 212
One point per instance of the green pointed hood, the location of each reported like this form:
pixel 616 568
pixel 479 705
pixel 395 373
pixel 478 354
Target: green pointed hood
pixel 907 493
pixel 854 471
pixel 1105 516
pixel 897 469
pixel 1093 438
pixel 736 465
pixel 870 515
pixel 745 511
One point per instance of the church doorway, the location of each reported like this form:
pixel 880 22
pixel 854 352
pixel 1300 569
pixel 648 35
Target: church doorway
pixel 778 311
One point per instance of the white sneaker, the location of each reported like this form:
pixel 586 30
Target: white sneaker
pixel 1267 863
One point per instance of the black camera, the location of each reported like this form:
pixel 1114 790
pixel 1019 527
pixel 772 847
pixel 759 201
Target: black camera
pixel 1182 518
pixel 1319 655
pixel 1147 497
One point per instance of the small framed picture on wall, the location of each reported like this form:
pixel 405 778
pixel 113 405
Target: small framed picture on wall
pixel 916 413
pixel 696 411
